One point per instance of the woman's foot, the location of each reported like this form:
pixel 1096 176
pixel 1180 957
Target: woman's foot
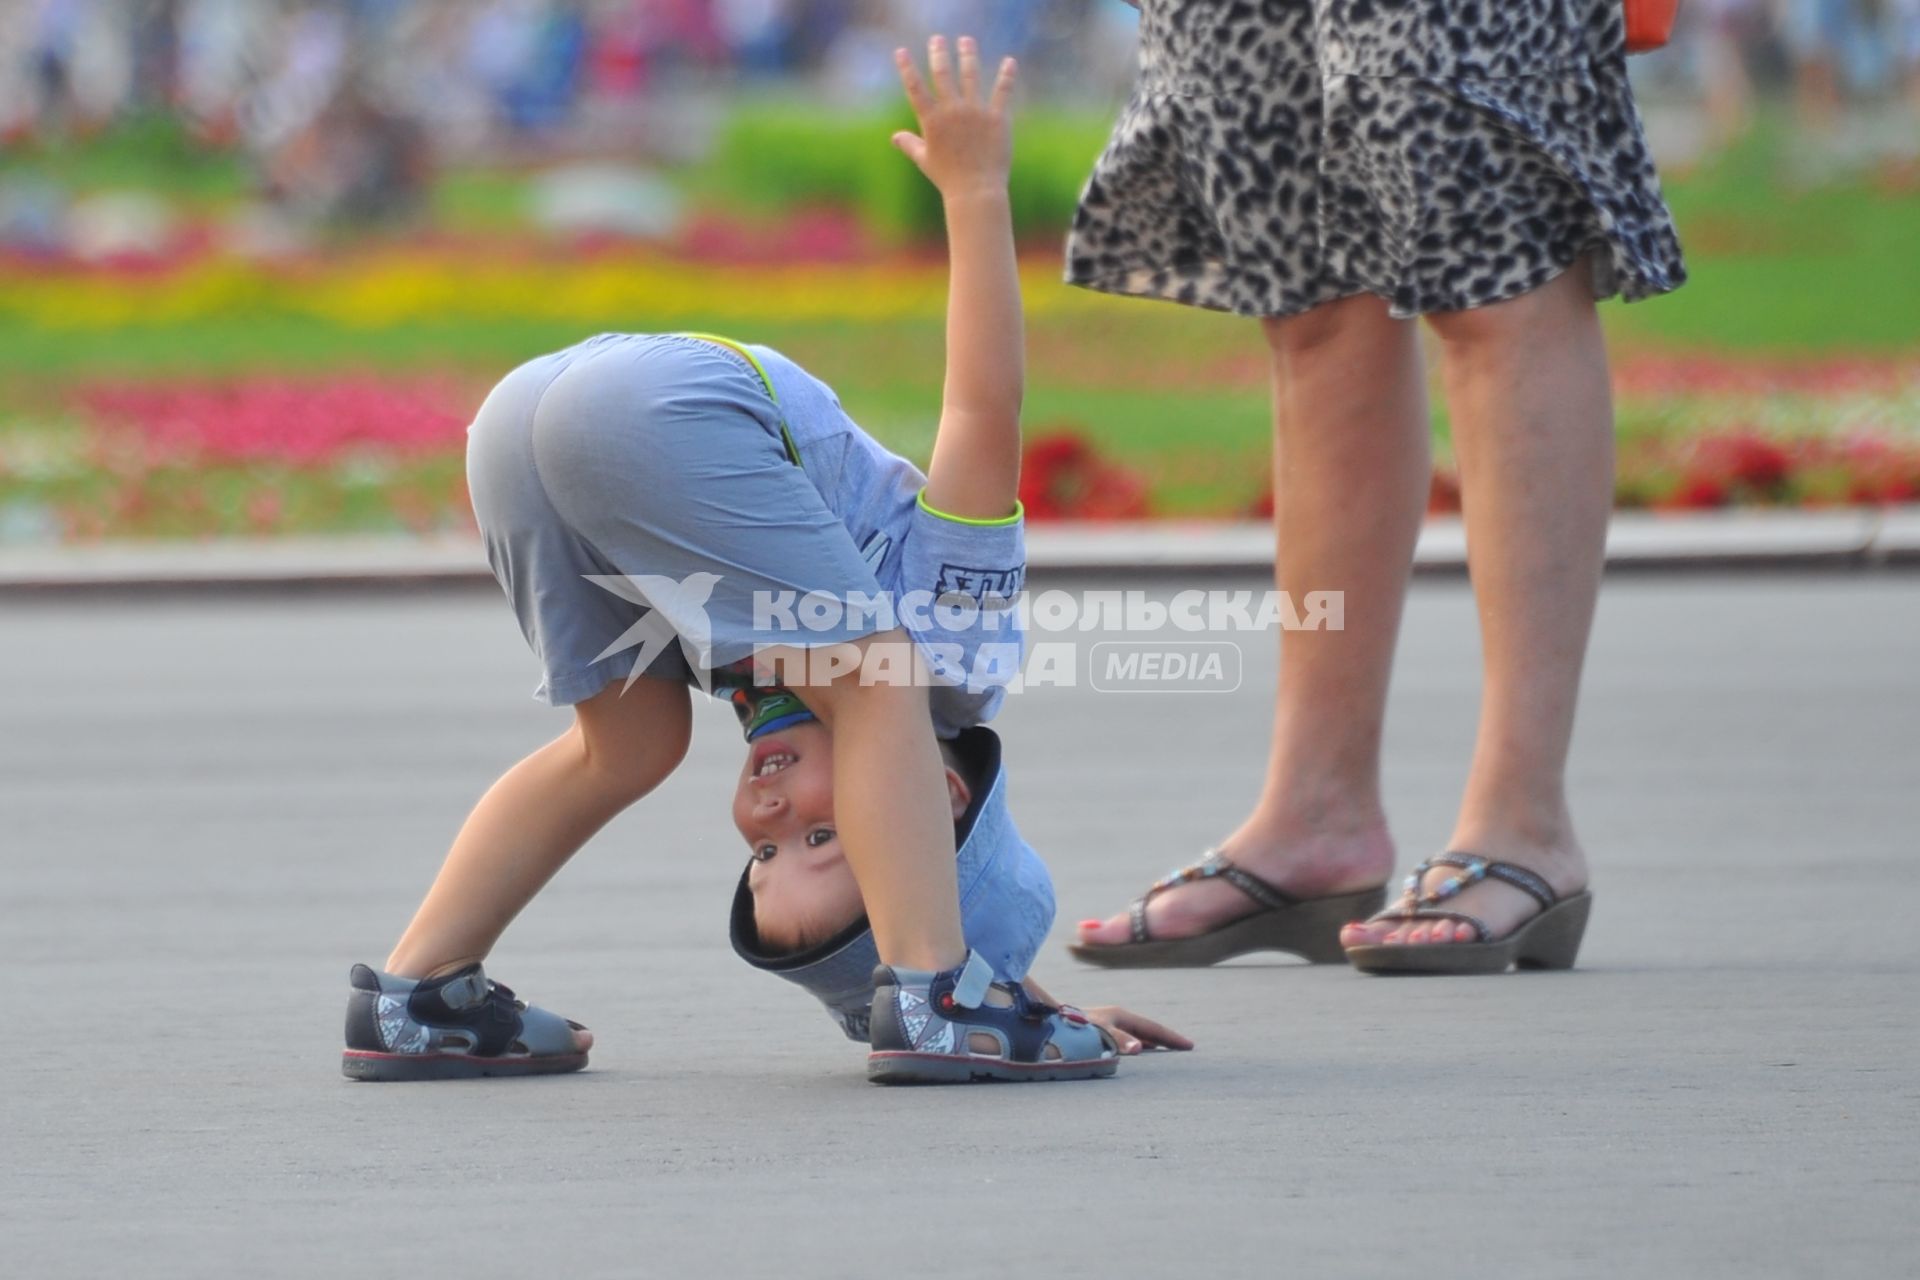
pixel 1314 866
pixel 1500 906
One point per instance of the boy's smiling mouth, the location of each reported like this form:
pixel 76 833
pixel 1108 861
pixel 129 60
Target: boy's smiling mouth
pixel 771 757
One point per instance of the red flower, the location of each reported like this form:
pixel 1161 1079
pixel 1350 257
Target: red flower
pixel 1744 459
pixel 305 423
pixel 1695 492
pixel 1063 478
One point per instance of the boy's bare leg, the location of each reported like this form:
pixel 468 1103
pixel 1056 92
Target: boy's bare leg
pixel 538 815
pixel 889 800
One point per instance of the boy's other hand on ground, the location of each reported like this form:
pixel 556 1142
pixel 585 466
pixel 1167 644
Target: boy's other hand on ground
pixel 965 145
pixel 1132 1032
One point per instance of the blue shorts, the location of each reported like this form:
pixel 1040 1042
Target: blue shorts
pixel 650 456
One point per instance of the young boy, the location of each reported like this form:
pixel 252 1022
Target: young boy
pixel 639 487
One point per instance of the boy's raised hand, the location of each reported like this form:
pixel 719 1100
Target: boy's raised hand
pixel 965 145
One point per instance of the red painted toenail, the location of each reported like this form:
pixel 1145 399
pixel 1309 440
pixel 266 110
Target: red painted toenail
pixel 1089 924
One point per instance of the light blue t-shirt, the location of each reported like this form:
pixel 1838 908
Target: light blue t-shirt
pixel 953 582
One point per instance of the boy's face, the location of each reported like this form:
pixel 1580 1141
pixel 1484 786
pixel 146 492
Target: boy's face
pixel 783 806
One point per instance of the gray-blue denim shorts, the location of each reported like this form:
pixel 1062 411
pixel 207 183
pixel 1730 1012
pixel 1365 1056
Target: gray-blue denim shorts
pixel 648 455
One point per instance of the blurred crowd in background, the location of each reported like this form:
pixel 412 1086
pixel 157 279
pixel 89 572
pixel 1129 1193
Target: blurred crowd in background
pixel 344 106
pixel 474 71
pixel 470 72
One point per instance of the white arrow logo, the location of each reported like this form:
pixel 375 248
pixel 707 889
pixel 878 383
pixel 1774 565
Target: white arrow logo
pixel 677 610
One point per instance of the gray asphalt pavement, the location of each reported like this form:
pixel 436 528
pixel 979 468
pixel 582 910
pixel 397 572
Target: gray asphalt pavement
pixel 210 808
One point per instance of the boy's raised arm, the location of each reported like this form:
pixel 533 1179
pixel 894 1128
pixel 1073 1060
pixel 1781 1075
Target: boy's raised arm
pixel 965 147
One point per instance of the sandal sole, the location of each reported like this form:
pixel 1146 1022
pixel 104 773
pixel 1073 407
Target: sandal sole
pixel 359 1064
pixel 1551 940
pixel 898 1067
pixel 1308 929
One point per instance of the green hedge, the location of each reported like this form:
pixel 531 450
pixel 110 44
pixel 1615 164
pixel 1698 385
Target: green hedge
pixel 775 158
pixel 151 152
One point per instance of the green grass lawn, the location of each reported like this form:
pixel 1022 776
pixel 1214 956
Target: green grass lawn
pixel 1783 272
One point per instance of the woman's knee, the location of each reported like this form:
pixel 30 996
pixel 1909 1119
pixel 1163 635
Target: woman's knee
pixel 1563 302
pixel 1362 320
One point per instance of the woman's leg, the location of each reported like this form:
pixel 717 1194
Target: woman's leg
pixel 538 815
pixel 1351 467
pixel 1533 428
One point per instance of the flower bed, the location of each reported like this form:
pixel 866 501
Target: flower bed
pixel 388 289
pixel 361 453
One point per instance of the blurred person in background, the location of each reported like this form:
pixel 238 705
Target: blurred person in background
pixel 1904 20
pixel 759 32
pixel 55 27
pixel 154 42
pixel 1721 33
pixel 356 162
pixel 1843 49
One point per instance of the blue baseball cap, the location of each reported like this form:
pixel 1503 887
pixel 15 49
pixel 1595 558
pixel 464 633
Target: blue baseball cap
pixel 1006 901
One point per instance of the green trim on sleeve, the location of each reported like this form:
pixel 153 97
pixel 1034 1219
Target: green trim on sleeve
pixel 1019 513
pixel 793 450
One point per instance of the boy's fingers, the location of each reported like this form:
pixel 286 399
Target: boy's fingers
pixel 1003 84
pixel 911 82
pixel 969 69
pixel 911 145
pixel 1152 1032
pixel 939 68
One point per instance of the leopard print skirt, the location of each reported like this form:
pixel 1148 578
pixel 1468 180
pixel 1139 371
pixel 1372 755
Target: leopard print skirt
pixel 1277 154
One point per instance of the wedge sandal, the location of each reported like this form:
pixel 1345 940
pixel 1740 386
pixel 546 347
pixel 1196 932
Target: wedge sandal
pixel 1550 940
pixel 1306 927
pixel 945 1028
pixel 459 1026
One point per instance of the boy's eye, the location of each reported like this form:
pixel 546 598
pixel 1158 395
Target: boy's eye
pixel 819 836
pixel 764 853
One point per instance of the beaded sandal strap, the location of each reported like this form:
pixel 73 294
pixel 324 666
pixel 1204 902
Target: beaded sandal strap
pixel 1215 865
pixel 1417 902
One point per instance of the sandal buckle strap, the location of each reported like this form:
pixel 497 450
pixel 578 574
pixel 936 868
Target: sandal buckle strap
pixel 976 976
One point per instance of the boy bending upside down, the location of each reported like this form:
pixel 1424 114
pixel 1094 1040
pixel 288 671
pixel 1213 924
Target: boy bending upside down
pixel 654 504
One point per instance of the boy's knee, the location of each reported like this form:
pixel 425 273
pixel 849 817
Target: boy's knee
pixel 631 739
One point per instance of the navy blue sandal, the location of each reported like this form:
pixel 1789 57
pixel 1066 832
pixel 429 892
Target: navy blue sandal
pixel 458 1026
pixel 946 1028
